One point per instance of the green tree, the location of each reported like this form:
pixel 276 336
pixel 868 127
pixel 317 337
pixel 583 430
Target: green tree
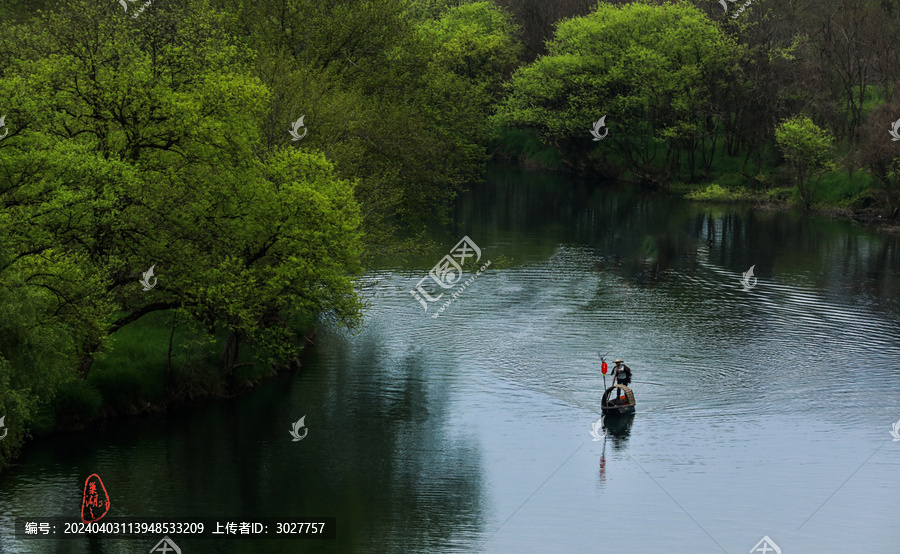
pixel 655 71
pixel 37 353
pixel 476 41
pixel 808 152
pixel 383 96
pixel 127 156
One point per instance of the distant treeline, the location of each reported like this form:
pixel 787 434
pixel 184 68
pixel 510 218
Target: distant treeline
pixel 253 151
pixel 766 94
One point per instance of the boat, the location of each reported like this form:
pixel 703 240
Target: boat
pixel 620 403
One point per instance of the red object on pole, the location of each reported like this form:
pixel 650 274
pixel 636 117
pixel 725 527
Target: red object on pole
pixel 603 367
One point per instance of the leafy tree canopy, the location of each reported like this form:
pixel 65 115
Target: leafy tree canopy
pixel 133 148
pixel 644 66
pixel 808 151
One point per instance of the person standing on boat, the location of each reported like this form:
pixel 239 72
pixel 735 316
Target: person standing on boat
pixel 622 373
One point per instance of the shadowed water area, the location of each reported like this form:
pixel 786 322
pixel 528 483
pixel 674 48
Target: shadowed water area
pixel 765 411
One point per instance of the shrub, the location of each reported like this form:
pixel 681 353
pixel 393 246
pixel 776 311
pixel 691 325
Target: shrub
pixel 77 402
pixel 808 152
pixel 718 193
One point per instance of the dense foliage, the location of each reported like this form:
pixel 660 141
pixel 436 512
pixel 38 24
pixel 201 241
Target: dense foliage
pixel 158 136
pixel 656 73
pixel 807 150
pixel 691 92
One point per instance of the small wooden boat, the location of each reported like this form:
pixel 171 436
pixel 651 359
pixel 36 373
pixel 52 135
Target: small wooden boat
pixel 620 402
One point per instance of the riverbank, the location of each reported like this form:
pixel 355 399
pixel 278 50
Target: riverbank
pixel 149 369
pixel 876 217
pixel 837 194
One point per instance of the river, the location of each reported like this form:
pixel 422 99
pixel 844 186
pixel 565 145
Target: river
pixel 762 410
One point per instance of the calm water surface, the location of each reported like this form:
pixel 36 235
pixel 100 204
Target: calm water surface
pixel 760 412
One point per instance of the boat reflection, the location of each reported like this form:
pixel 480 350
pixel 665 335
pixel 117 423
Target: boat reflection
pixel 617 428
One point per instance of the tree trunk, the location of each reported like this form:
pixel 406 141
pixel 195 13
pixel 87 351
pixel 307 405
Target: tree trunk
pixel 85 361
pixel 229 353
pixel 86 358
pixel 169 357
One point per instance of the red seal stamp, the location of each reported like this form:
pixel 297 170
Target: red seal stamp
pixel 95 501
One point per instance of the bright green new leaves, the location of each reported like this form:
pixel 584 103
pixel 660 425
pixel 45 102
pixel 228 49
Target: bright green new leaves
pixel 37 324
pixel 808 151
pixel 384 97
pixel 653 70
pixel 476 41
pixel 135 148
pixel 284 251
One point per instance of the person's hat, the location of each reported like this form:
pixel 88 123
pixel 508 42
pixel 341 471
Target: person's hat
pixel 618 361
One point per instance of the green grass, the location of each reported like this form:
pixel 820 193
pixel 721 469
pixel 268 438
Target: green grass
pixel 133 372
pixel 525 146
pixel 840 190
pixel 75 403
pixel 131 375
pixel 724 183
pixel 717 193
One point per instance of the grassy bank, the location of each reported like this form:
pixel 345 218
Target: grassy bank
pixel 836 192
pixel 148 367
pixel 524 147
pixel 730 179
